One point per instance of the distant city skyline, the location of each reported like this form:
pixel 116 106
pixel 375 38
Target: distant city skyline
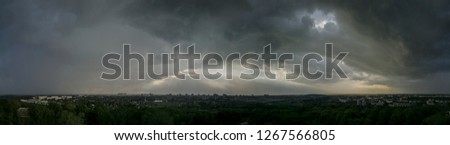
pixel 56 47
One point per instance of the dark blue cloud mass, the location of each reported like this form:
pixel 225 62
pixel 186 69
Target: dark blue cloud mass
pixel 54 46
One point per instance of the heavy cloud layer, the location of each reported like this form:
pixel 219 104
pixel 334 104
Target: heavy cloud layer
pixel 56 46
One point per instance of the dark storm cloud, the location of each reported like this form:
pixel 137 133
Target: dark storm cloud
pixel 422 26
pixel 59 43
pixel 34 57
pixel 177 21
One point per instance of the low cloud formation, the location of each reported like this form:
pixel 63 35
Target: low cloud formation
pixel 56 46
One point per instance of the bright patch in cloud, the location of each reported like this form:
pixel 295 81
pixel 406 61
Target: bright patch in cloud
pixel 321 19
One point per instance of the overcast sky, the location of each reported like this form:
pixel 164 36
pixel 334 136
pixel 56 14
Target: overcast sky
pixel 53 46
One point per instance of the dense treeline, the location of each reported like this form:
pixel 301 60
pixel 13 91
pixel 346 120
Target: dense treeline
pixel 305 112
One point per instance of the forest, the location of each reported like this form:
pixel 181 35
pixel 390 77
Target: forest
pixel 322 111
